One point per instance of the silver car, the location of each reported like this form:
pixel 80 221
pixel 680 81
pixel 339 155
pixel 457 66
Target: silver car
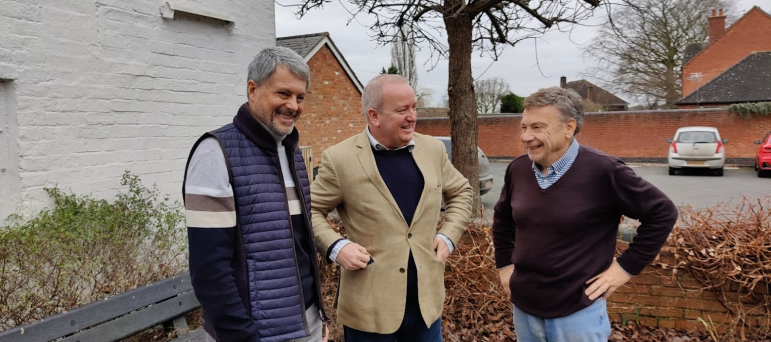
pixel 697 147
pixel 485 178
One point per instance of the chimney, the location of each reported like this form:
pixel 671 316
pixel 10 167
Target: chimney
pixel 716 25
pixel 590 93
pixel 563 82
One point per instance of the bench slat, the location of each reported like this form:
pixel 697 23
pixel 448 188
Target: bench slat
pixel 85 316
pixel 138 321
pixel 197 335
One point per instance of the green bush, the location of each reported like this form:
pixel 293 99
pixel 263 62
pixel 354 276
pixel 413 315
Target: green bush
pixel 511 103
pixel 84 249
pixel 747 110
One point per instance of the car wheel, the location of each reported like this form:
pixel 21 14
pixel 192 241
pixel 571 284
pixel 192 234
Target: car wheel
pixel 762 173
pixel 672 171
pixel 719 172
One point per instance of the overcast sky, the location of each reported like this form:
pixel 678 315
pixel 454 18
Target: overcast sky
pixel 558 54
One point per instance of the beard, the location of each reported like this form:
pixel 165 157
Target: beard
pixel 279 129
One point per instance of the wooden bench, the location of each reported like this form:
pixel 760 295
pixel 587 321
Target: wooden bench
pixel 165 302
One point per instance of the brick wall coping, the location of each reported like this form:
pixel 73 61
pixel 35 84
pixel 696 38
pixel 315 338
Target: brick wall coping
pixel 656 111
pixel 484 116
pixel 665 111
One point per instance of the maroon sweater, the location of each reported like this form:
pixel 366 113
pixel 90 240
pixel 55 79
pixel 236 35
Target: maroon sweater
pixel 560 237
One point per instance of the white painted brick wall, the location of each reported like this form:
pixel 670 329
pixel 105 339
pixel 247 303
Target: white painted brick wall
pixel 105 86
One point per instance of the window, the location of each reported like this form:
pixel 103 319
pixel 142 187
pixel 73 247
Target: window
pixel 10 182
pixel 697 137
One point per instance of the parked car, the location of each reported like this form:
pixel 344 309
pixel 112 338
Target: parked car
pixel 763 159
pixel 485 178
pixel 697 147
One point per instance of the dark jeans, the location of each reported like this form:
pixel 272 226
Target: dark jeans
pixel 412 330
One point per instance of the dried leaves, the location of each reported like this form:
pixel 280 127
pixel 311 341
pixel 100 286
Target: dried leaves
pixel 728 250
pixel 724 248
pixel 476 306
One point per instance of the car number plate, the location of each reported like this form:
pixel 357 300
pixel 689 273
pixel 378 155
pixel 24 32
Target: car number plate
pixel 696 162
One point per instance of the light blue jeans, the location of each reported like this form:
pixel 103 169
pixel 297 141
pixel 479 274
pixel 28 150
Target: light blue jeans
pixel 590 324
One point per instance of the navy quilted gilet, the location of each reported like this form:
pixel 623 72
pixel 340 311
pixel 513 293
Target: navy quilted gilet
pixel 266 267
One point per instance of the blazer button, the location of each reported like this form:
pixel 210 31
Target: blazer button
pixel 401 270
pixel 409 236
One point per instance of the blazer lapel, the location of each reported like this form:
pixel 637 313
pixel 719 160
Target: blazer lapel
pixel 367 161
pixel 418 153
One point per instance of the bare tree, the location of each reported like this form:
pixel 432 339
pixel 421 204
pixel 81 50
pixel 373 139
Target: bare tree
pixel 403 56
pixel 468 25
pixel 488 93
pixel 424 96
pixel 640 49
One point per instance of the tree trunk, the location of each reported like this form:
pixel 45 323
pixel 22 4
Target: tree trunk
pixel 463 107
pixel 672 95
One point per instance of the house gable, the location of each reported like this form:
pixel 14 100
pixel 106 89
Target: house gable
pixel 308 45
pixel 746 81
pixel 591 92
pixel 332 110
pixel 748 34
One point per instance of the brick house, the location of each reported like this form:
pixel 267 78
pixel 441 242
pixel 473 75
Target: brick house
pixel 332 109
pixel 90 89
pixel 594 94
pixel 734 66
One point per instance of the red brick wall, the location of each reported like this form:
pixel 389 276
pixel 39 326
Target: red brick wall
pixel 641 134
pixel 332 110
pixel 748 34
pixel 659 297
pixel 432 112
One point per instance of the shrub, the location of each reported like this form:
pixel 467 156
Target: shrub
pixel 710 244
pixel 511 103
pixel 84 249
pixel 728 251
pixel 747 110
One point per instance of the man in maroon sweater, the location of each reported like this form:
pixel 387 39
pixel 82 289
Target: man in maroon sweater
pixel 556 222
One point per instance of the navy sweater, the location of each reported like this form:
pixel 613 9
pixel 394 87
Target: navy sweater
pixel 405 182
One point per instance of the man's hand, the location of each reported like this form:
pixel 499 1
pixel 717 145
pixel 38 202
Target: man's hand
pixel 324 333
pixel 353 257
pixel 605 283
pixel 442 251
pixel 505 275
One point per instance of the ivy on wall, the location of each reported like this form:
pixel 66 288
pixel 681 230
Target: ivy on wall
pixel 747 110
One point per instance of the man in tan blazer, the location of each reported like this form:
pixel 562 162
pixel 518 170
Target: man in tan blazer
pixel 387 183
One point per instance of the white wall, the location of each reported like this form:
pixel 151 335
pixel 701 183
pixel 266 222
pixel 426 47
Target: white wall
pixel 99 87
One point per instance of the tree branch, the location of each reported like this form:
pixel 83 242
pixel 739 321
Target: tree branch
pixel 497 26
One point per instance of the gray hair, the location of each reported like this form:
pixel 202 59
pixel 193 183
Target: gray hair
pixel 373 92
pixel 569 103
pixel 264 64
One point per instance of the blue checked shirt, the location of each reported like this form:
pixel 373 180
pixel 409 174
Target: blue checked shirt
pixel 379 147
pixel 555 171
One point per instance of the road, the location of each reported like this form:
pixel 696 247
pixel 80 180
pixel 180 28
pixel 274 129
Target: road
pixel 693 188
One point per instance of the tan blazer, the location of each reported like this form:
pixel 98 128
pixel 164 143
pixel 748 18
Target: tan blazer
pixel 373 299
